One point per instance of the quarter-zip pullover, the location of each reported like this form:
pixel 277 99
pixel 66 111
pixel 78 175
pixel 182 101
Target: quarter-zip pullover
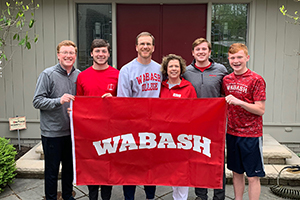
pixel 207 83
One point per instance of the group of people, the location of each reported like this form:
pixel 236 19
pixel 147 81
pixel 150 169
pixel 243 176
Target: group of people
pixel 244 91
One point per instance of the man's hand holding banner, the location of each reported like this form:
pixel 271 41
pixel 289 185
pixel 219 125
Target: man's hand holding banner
pixel 148 141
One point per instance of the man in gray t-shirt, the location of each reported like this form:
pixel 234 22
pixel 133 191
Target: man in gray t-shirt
pixel 140 78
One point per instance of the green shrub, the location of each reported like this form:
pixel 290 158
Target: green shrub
pixel 7 163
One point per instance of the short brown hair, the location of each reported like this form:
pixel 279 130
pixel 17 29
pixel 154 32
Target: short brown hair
pixel 168 58
pixel 100 43
pixel 200 41
pixel 145 34
pixel 236 47
pixel 66 43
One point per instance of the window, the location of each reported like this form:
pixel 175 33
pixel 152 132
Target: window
pixel 229 25
pixel 93 21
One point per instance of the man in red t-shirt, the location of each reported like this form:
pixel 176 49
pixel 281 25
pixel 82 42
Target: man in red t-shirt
pixel 98 80
pixel 245 93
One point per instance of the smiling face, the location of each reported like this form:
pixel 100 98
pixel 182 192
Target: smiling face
pixel 145 47
pixel 238 62
pixel 173 69
pixel 66 56
pixel 100 55
pixel 201 52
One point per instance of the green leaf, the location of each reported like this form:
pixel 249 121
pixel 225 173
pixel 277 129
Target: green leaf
pixel 7 4
pixel 281 8
pixel 15 36
pixel 8 11
pixel 31 23
pixel 18 24
pixel 36 39
pixel 28 45
pixel 22 42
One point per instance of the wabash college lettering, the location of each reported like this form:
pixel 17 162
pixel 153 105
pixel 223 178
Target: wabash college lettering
pixel 149 141
pixel 149 81
pixel 237 87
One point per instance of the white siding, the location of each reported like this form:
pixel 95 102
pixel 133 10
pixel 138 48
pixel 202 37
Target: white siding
pixel 273 47
pixel 19 77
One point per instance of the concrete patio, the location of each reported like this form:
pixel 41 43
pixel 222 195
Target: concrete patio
pixel 30 184
pixel 276 156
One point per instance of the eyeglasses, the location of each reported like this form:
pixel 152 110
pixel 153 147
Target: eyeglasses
pixel 143 44
pixel 66 53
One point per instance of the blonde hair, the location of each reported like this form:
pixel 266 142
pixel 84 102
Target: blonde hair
pixel 200 41
pixel 66 43
pixel 145 34
pixel 236 47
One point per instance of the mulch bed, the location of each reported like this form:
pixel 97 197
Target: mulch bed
pixel 22 151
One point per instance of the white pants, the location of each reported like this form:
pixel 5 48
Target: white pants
pixel 180 193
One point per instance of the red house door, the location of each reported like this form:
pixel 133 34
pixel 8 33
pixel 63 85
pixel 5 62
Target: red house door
pixel 174 26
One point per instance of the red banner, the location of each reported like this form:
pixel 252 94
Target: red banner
pixel 148 141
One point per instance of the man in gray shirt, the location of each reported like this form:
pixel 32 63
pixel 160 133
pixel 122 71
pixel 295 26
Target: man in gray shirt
pixel 206 76
pixel 140 78
pixel 55 88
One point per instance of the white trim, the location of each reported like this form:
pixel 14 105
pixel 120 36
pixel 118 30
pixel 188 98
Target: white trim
pixel 72 25
pixel 72 19
pixel 251 32
pixel 114 33
pixel 208 23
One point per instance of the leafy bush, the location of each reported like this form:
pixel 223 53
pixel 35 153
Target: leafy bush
pixel 7 163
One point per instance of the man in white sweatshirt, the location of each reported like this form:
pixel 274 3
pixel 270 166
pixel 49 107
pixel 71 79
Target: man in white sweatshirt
pixel 140 78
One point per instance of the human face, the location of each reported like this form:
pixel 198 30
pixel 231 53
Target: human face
pixel 173 69
pixel 201 52
pixel 145 47
pixel 66 56
pixel 238 62
pixel 100 55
